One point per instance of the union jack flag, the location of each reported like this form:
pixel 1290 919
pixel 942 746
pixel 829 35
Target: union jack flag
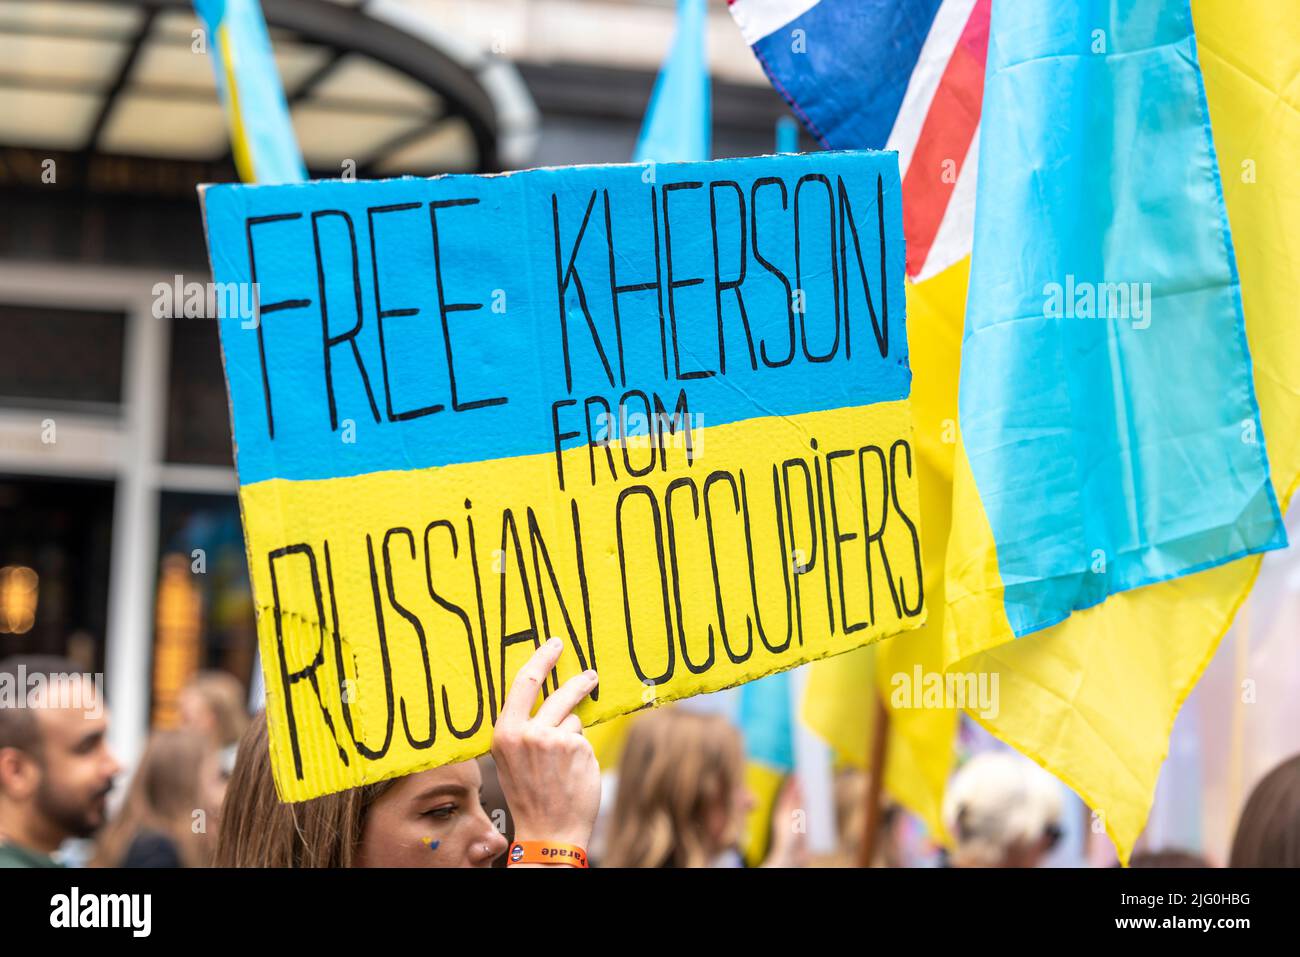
pixel 905 75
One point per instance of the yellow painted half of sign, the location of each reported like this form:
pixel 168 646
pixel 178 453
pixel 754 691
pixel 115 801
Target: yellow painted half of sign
pixel 402 603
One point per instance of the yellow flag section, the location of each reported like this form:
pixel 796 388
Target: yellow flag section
pixel 1094 699
pixel 1250 56
pixel 920 750
pixel 404 601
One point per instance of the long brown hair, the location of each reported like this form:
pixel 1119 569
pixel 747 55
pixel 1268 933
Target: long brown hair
pixel 258 831
pixel 1268 832
pixel 677 767
pixel 164 796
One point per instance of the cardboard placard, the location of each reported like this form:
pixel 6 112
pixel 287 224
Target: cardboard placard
pixel 660 412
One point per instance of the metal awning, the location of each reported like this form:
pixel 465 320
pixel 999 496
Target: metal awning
pixel 373 83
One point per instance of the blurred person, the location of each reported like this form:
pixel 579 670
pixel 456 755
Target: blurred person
pixel 850 794
pixel 213 703
pixel 850 787
pixel 1268 831
pixel 1002 810
pixel 682 798
pixel 432 818
pixel 56 769
pixel 171 809
pixel 788 843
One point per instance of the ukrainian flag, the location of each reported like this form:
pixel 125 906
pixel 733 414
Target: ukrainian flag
pixel 261 133
pixel 1102 448
pixel 1113 489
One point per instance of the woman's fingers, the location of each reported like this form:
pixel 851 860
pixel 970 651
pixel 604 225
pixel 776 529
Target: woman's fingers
pixel 548 770
pixel 523 691
pixel 559 704
pixel 528 682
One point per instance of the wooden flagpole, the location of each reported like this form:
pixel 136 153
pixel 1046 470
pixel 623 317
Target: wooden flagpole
pixel 876 779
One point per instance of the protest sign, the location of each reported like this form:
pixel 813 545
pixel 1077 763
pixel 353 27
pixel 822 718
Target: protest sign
pixel 659 412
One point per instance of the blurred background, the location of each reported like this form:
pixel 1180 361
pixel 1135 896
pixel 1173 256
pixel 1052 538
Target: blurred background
pixel 116 476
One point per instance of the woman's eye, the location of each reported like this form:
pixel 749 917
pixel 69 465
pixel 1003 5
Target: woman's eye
pixel 443 812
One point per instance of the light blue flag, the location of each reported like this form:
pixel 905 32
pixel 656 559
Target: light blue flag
pixel 787 135
pixel 767 721
pixel 679 119
pixel 262 139
pixel 1107 401
pixel 766 706
pixel 677 129
pixel 261 133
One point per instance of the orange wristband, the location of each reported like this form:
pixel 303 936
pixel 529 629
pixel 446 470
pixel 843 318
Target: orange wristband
pixel 544 852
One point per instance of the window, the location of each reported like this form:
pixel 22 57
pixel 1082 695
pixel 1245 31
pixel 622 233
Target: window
pixel 198 416
pixel 67 356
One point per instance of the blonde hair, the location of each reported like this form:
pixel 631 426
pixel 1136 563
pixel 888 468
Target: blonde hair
pixel 259 831
pixel 223 694
pixel 997 804
pixel 677 767
pixel 163 797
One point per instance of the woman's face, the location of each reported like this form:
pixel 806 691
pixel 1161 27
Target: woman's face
pixel 195 713
pixel 431 819
pixel 212 783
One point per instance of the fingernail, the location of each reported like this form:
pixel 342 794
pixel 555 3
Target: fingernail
pixel 553 643
pixel 590 676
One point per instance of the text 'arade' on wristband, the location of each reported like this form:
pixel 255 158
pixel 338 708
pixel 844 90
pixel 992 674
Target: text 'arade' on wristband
pixel 545 852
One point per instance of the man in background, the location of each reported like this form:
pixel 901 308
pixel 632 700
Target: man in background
pixel 56 769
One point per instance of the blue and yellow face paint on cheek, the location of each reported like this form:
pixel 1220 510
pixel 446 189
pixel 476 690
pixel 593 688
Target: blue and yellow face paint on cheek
pixel 658 412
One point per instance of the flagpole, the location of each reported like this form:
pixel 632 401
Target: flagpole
pixel 875 780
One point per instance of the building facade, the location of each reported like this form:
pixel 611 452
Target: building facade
pixel 120 537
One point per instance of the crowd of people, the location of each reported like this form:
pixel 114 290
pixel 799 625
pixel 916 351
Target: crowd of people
pixel 203 793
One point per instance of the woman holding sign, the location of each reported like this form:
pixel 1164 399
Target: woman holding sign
pixel 433 818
